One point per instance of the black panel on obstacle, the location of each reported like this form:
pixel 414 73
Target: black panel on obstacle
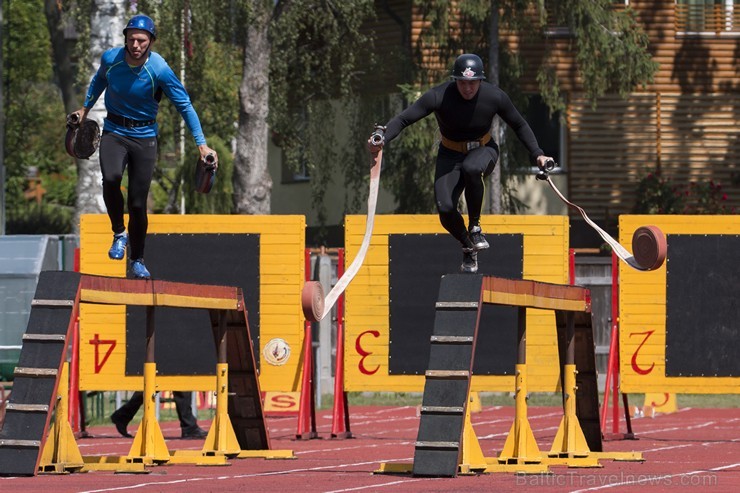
pixel 416 264
pixel 702 306
pixel 184 342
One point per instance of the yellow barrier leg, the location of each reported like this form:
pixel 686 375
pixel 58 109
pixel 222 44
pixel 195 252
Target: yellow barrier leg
pixel 474 403
pixel 570 440
pixel 521 446
pixel 61 454
pixel 221 439
pixel 473 460
pixel 149 445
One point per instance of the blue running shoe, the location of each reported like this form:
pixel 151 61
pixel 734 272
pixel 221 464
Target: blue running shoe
pixel 139 270
pixel 118 248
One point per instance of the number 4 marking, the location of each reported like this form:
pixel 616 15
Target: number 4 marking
pixel 97 341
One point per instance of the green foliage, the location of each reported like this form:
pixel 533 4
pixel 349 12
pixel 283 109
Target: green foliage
pixel 318 55
pixel 657 194
pixel 410 162
pixel 205 43
pixel 39 219
pixel 707 198
pixel 611 50
pixel 34 120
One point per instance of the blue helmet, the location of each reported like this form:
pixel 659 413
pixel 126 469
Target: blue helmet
pixel 142 22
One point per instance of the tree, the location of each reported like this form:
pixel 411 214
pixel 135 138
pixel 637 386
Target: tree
pixel 252 182
pixel 33 113
pixel 2 130
pixel 198 38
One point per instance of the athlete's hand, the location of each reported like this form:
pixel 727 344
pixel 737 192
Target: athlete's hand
pixel 377 140
pixel 545 163
pixel 77 117
pixel 206 151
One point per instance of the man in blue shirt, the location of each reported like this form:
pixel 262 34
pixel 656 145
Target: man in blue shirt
pixel 134 78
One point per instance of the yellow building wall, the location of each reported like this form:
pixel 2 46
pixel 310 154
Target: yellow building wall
pixel 282 267
pixel 642 311
pixel 367 309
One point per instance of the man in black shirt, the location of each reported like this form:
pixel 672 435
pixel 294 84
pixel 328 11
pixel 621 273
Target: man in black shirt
pixel 464 108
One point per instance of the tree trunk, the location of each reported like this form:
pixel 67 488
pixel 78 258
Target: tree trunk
pixel 494 179
pixel 2 129
pixel 106 31
pixel 252 182
pixel 61 54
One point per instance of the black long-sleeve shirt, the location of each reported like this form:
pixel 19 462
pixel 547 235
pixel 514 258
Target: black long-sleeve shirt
pixel 464 120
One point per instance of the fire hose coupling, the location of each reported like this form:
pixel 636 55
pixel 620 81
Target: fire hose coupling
pixel 210 161
pixel 549 166
pixel 73 119
pixel 377 138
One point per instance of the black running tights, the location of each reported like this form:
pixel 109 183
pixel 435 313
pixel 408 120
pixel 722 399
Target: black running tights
pixel 456 172
pixel 118 153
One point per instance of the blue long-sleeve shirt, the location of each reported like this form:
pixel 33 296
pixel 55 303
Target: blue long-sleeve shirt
pixel 131 92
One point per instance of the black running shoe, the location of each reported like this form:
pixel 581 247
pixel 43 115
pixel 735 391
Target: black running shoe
pixel 470 261
pixel 476 236
pixel 121 425
pixel 196 434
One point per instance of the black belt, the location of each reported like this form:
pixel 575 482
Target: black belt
pixel 128 122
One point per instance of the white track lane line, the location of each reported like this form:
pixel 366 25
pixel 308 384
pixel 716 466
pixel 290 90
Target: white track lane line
pixel 178 482
pixel 359 488
pixel 652 480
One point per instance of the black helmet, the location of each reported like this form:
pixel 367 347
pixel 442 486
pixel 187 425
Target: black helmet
pixel 468 67
pixel 142 22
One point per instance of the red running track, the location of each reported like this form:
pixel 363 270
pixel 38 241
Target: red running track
pixel 693 450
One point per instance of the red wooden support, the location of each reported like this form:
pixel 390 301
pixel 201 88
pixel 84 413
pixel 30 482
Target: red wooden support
pixel 76 420
pixel 612 370
pixel 307 405
pixel 571 266
pixel 340 413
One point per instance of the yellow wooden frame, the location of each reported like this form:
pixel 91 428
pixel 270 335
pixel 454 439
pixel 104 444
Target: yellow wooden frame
pixel 642 312
pixel 282 274
pixel 367 311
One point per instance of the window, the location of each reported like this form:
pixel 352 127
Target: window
pixel 708 17
pixel 290 175
pixel 546 127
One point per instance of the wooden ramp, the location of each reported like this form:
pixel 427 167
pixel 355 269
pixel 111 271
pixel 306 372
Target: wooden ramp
pixel 438 444
pixel 28 411
pixel 54 310
pixel 440 449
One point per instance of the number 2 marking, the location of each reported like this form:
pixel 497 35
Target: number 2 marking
pixel 635 367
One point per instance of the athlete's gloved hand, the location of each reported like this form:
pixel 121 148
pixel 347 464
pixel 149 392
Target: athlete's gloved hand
pixel 545 164
pixel 83 136
pixel 377 140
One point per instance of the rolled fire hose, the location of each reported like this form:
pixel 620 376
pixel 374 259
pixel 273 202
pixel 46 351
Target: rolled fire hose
pixel 648 243
pixel 315 306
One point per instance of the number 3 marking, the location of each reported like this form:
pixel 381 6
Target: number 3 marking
pixel 365 354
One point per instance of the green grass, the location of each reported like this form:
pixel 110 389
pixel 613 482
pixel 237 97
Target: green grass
pixel 102 404
pixel 535 399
